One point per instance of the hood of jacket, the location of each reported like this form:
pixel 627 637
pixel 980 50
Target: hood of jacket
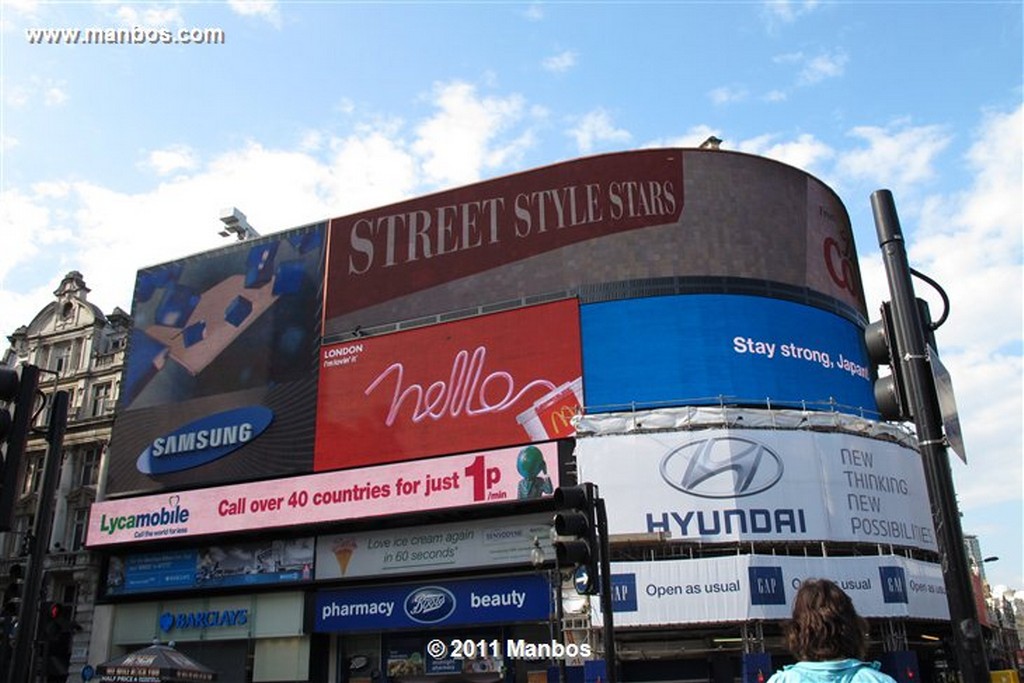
pixel 836 671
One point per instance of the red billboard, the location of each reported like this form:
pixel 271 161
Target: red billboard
pixel 486 382
pixel 390 253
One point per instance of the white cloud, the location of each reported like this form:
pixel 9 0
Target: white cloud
pixel 898 155
pixel 458 141
pixel 8 142
pixel 594 128
pixel 806 152
pixel 263 9
pixel 534 11
pixel 788 11
pixel 561 62
pixel 149 16
pixel 109 234
pixel 54 96
pixel 171 159
pixel 821 67
pixel 727 95
pixel 971 243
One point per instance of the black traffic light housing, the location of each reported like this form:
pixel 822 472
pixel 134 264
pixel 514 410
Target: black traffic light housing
pixel 13 591
pixel 575 541
pixel 14 429
pixel 55 631
pixel 883 349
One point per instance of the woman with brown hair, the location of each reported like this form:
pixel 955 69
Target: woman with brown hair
pixel 828 638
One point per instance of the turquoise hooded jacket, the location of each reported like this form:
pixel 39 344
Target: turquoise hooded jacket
pixel 836 671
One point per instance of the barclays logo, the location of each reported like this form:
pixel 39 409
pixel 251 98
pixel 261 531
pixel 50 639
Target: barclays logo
pixel 722 467
pixel 429 605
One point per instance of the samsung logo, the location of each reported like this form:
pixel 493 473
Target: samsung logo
pixel 429 605
pixel 722 467
pixel 204 440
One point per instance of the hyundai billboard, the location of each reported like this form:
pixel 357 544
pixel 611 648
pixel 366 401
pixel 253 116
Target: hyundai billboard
pixel 727 485
pixel 699 349
pixel 599 221
pixel 220 378
pixel 485 382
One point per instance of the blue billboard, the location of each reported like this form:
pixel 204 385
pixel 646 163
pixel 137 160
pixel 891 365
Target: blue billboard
pixel 437 604
pixel 702 349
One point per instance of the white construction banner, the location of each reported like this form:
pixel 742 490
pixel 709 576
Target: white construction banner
pixel 742 587
pixel 725 485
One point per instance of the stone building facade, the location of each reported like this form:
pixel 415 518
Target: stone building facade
pixel 79 349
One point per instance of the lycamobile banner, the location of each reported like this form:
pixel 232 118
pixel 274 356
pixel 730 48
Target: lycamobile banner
pixel 454 481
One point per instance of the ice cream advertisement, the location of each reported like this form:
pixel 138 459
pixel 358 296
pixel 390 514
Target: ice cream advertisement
pixel 434 548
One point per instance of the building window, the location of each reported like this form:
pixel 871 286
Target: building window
pixel 61 358
pixel 78 529
pixel 101 394
pixel 33 473
pixel 89 467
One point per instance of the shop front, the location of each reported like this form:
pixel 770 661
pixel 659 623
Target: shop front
pixel 254 637
pixel 479 630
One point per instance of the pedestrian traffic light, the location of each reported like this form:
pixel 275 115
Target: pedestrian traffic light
pixel 575 535
pixel 13 591
pixel 883 349
pixel 14 429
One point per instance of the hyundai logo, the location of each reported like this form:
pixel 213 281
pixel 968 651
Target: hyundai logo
pixel 722 467
pixel 429 605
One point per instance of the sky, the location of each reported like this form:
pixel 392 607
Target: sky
pixel 121 156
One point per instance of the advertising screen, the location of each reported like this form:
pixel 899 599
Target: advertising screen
pixel 214 566
pixel 229 338
pixel 720 485
pixel 699 349
pixel 485 382
pixel 604 224
pixel 437 547
pixel 470 479
pixel 744 587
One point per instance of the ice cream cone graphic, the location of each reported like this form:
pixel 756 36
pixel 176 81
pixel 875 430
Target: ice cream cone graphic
pixel 343 550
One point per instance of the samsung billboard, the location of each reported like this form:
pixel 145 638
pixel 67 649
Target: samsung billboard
pixel 699 349
pixel 220 379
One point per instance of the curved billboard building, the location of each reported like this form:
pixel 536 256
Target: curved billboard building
pixel 358 426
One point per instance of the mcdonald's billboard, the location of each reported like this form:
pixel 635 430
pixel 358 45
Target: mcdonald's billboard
pixel 487 382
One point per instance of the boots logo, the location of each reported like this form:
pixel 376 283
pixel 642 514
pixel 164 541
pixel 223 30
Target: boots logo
pixel 430 604
pixel 722 467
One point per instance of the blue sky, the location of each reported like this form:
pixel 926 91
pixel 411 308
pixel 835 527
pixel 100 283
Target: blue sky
pixel 116 157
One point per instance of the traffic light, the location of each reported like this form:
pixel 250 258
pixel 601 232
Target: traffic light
pixel 890 390
pixel 14 429
pixel 13 591
pixel 575 540
pixel 55 630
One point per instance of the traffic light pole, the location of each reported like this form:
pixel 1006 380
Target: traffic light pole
pixel 22 661
pixel 924 408
pixel 608 628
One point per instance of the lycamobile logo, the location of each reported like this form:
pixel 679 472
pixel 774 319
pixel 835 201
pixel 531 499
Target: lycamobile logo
pixel 149 524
